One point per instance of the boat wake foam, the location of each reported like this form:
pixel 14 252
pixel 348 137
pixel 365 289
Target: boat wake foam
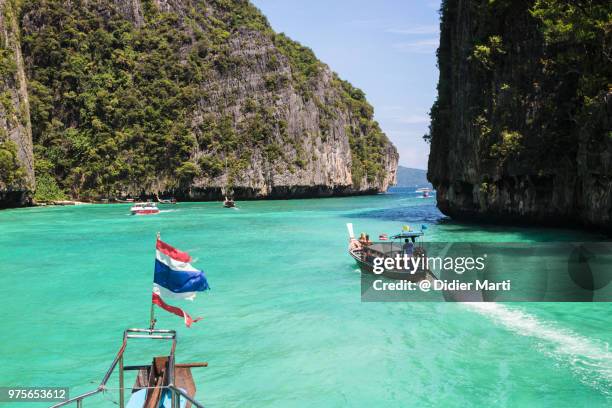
pixel 589 360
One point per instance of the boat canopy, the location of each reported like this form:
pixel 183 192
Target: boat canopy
pixel 408 234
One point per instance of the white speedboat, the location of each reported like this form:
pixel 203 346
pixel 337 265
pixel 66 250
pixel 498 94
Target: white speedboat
pixel 144 209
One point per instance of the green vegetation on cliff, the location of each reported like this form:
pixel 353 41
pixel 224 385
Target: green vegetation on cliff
pixel 11 172
pixel 116 105
pixel 369 151
pixel 540 68
pixel 108 102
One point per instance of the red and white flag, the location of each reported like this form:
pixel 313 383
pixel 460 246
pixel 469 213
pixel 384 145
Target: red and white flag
pixel 175 310
pixel 175 277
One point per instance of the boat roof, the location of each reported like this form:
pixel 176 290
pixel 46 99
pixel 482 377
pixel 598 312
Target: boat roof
pixel 408 234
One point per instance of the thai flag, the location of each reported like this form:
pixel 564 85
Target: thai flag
pixel 176 278
pixel 383 237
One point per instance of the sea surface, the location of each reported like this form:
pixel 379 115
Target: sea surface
pixel 284 325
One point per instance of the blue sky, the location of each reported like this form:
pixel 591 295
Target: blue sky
pixel 385 47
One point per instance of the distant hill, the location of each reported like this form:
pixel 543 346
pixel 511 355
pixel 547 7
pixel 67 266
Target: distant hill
pixel 408 177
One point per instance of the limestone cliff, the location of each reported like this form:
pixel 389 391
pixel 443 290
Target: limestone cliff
pixel 191 98
pixel 308 150
pixel 521 128
pixel 16 162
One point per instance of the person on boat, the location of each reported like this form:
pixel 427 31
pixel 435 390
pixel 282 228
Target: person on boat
pixel 408 247
pixel 355 245
pixel 367 240
pixel 362 238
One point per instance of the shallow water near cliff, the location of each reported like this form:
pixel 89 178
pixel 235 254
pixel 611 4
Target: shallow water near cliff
pixel 283 324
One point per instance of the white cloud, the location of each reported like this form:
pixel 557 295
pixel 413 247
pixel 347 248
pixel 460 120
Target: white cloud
pixel 415 30
pixel 426 46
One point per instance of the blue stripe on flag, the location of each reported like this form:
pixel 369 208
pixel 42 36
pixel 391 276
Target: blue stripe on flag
pixel 179 281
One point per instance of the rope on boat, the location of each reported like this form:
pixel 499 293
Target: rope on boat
pixel 106 396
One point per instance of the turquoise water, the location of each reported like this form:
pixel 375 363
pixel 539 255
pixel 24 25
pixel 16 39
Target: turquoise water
pixel 284 325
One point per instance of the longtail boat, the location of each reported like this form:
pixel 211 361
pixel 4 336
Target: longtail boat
pixel 161 384
pixel 170 200
pixel 404 243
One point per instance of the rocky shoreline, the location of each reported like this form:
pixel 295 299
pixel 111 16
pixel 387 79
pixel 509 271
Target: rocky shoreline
pixel 216 194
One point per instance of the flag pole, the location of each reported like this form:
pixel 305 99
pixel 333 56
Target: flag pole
pixel 152 321
pixel 152 316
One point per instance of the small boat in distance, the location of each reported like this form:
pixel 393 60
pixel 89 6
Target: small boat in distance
pixel 425 192
pixel 144 209
pixel 124 201
pixel 229 203
pixel 364 254
pixel 170 200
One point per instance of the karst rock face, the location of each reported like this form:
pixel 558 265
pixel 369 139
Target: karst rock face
pixel 16 161
pixel 520 132
pixel 189 98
